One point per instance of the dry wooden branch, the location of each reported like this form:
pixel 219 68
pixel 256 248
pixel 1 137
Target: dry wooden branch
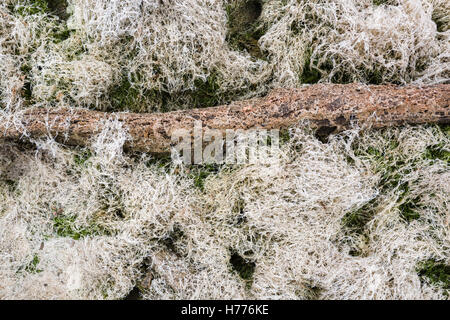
pixel 328 107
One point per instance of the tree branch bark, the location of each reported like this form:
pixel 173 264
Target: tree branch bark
pixel 328 107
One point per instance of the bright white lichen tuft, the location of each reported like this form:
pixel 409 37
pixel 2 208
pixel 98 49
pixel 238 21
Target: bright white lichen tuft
pixel 79 224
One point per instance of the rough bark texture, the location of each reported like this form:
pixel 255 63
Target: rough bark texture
pixel 328 107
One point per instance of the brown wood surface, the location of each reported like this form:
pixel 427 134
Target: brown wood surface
pixel 328 107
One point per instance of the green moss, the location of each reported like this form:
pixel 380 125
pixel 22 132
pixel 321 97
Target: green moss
pixel 382 2
pixel 198 172
pixel 58 8
pixel 161 161
pixel 392 165
pixel 82 157
pixel 445 128
pixel 388 163
pixel 244 27
pixel 239 206
pixel 172 237
pixel 354 224
pixel 206 93
pixel 11 184
pixel 26 91
pixel 200 176
pixel 239 217
pixel 355 221
pixel 127 95
pixel 32 266
pixel 30 7
pixel 134 294
pixel 311 18
pixel 310 75
pixel 313 71
pixel 124 96
pixel 436 272
pixel 408 213
pixel 25 68
pixel 202 171
pixel 441 26
pixel 62 34
pixel 408 210
pixel 64 226
pixel 375 76
pixel 312 291
pixel 245 268
pixel 284 136
pixel 438 152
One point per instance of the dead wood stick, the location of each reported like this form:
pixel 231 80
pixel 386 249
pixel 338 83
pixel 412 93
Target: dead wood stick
pixel 328 107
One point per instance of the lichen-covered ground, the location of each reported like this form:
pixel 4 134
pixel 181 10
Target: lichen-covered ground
pixel 361 215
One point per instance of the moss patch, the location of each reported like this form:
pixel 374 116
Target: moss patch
pixel 171 239
pixel 354 225
pixel 32 266
pixel 10 184
pixel 64 226
pixel 244 27
pixel 312 291
pixel 245 268
pixel 63 34
pixel 134 294
pixel 355 221
pixel 392 165
pixel 438 152
pixel 82 157
pixel 58 8
pixel 123 96
pixel 238 210
pixel 200 172
pixel 380 2
pixel 206 93
pixel 408 209
pixel 310 74
pixel 30 7
pixel 436 272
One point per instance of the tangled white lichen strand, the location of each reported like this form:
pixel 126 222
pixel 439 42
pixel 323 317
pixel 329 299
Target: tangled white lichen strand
pixel 353 218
